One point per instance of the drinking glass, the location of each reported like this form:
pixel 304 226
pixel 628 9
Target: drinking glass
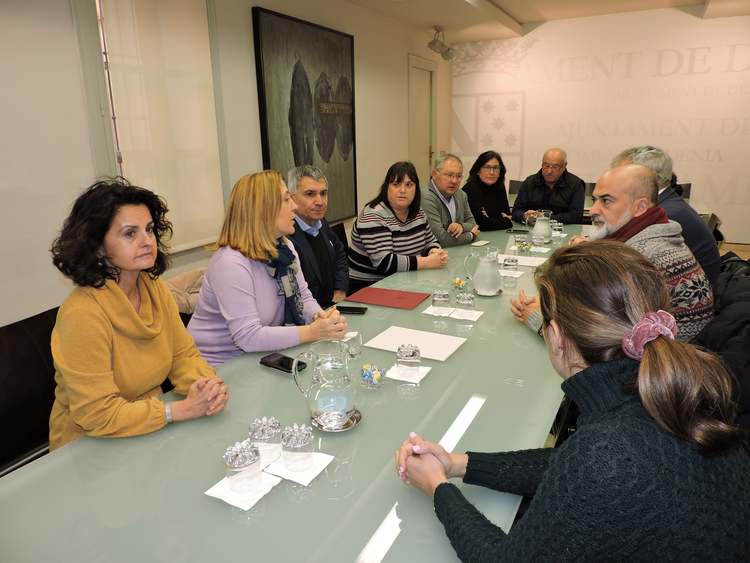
pixel 441 298
pixel 242 464
pixel 354 344
pixel 510 263
pixel 408 360
pixel 297 447
pixel 265 434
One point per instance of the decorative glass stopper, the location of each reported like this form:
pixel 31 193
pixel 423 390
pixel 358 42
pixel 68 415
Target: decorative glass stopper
pixel 296 436
pixel 264 429
pixel 241 454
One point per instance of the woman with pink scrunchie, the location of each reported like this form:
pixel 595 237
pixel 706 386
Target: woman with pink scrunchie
pixel 656 470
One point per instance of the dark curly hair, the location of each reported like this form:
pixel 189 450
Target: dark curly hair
pixel 76 251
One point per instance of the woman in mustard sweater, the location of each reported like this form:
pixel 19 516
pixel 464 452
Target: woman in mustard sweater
pixel 118 335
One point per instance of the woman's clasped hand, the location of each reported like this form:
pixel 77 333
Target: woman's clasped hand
pixel 426 464
pixel 329 324
pixel 206 397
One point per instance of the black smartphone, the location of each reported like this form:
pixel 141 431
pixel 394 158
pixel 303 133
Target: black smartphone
pixel 517 231
pixel 281 362
pixel 351 309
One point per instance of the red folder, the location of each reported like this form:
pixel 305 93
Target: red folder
pixel 388 297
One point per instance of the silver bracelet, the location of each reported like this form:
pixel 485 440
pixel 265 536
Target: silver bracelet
pixel 168 412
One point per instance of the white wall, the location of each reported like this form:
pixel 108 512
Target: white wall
pixel 597 85
pixel 381 48
pixel 45 154
pixel 53 139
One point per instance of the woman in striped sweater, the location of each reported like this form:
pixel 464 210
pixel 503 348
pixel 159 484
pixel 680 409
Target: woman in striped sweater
pixel 392 233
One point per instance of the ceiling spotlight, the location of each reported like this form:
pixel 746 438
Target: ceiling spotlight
pixel 439 46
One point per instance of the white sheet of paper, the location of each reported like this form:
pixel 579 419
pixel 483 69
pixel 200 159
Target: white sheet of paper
pixel 480 243
pixel 511 273
pixel 532 261
pixel 243 501
pixel 394 373
pixel 559 235
pixel 431 344
pixel 349 336
pixel 466 314
pixel 319 462
pixel 438 311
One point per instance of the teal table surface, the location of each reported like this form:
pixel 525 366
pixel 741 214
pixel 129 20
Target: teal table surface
pixel 142 498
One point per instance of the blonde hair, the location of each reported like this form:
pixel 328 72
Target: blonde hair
pixel 250 222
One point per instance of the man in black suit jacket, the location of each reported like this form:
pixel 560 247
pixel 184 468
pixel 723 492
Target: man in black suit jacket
pixel 553 188
pixel 321 254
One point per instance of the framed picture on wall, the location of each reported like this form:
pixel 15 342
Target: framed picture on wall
pixel 306 99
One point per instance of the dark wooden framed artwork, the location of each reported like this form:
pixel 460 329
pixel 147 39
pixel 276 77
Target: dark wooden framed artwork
pixel 305 78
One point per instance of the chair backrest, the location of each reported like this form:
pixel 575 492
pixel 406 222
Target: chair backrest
pixel 514 186
pixel 340 231
pixel 685 190
pixel 185 288
pixel 27 389
pixel 590 188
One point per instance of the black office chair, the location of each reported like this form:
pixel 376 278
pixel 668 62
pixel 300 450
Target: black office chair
pixel 27 389
pixel 590 188
pixel 684 190
pixel 514 186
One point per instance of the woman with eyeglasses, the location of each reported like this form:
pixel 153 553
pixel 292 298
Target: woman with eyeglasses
pixel 657 468
pixel 391 233
pixel 485 190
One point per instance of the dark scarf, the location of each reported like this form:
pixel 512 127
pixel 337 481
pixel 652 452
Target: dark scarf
pixel 282 271
pixel 654 216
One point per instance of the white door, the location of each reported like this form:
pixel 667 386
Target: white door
pixel 422 115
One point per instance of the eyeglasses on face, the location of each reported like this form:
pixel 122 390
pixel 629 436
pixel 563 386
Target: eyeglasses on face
pixel 491 169
pixel 452 176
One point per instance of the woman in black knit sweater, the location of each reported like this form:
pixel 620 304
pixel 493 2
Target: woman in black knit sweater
pixel 656 469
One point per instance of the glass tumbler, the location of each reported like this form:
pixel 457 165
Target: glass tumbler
pixel 242 464
pixel 297 447
pixel 408 360
pixel 265 434
pixel 441 298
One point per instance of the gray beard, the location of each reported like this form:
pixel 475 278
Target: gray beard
pixel 598 233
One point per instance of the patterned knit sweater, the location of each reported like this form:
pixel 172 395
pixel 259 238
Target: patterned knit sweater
pixel 620 489
pixel 383 245
pixel 692 297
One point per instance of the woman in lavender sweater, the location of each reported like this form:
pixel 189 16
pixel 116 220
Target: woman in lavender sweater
pixel 254 297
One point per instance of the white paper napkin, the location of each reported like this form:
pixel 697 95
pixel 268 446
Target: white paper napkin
pixel 466 314
pixel 393 373
pixel 480 243
pixel 438 311
pixel 559 235
pixel 319 462
pixel 349 336
pixel 244 500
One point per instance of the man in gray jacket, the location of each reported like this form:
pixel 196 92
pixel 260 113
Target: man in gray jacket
pixel 447 207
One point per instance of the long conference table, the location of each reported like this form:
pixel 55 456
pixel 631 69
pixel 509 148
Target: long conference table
pixel 142 498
